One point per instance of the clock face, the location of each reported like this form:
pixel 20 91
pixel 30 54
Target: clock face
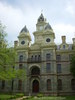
pixel 22 42
pixel 48 40
pixel 41 27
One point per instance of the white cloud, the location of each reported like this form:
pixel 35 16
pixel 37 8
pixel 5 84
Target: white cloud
pixel 64 29
pixel 14 19
pixel 70 8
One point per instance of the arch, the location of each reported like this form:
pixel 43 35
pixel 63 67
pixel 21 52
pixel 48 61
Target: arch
pixel 35 71
pixel 59 86
pixel 20 58
pixel 49 84
pixel 35 86
pixel 32 65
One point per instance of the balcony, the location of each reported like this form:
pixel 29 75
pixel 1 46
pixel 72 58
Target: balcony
pixel 33 60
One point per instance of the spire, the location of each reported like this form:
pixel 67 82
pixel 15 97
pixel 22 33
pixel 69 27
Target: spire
pixel 24 30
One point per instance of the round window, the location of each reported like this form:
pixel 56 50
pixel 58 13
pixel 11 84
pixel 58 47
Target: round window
pixel 48 40
pixel 23 42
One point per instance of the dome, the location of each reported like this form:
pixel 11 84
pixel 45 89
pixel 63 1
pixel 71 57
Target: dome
pixel 48 26
pixel 24 30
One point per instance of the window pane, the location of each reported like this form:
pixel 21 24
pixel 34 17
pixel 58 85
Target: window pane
pixel 48 56
pixel 58 68
pixel 48 84
pixel 73 84
pixel 59 84
pixel 58 57
pixel 21 58
pixel 20 85
pixel 48 67
pixel 3 84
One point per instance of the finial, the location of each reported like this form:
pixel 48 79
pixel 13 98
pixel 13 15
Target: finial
pixel 41 11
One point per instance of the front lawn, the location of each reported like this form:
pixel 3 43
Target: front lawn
pixel 10 96
pixel 52 98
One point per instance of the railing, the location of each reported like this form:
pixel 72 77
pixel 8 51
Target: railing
pixel 33 60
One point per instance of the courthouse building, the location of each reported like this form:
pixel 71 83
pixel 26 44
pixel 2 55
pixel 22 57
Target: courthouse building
pixel 46 64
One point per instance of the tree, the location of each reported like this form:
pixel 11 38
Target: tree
pixel 7 58
pixel 72 65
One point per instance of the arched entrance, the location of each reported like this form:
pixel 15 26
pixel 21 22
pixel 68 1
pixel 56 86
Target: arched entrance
pixel 35 86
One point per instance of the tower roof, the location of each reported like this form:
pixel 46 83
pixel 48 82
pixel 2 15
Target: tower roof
pixel 48 26
pixel 41 18
pixel 24 30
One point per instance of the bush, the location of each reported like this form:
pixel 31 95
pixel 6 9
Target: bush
pixel 19 95
pixel 40 95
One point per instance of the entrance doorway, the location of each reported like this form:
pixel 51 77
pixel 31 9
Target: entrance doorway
pixel 35 86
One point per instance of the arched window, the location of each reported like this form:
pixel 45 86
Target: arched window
pixel 20 58
pixel 39 58
pixel 35 71
pixel 48 84
pixel 59 84
pixel 20 85
pixel 73 84
pixel 3 84
pixel 48 56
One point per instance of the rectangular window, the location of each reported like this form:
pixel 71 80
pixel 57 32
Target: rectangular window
pixel 48 56
pixel 48 67
pixel 58 57
pixel 20 66
pixel 70 56
pixel 58 68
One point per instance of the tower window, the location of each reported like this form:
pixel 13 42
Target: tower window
pixel 48 40
pixel 63 46
pixel 48 56
pixel 23 42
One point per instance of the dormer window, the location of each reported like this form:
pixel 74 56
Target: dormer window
pixel 63 46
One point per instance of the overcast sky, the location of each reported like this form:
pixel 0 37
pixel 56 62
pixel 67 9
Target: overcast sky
pixel 60 14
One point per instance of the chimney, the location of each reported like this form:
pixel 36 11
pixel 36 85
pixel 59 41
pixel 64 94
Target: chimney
pixel 15 43
pixel 73 40
pixel 63 39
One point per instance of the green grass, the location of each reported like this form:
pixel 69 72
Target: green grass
pixel 5 96
pixel 10 96
pixel 52 98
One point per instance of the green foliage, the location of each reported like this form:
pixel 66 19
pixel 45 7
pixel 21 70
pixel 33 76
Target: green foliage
pixel 7 59
pixel 72 65
pixel 40 95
